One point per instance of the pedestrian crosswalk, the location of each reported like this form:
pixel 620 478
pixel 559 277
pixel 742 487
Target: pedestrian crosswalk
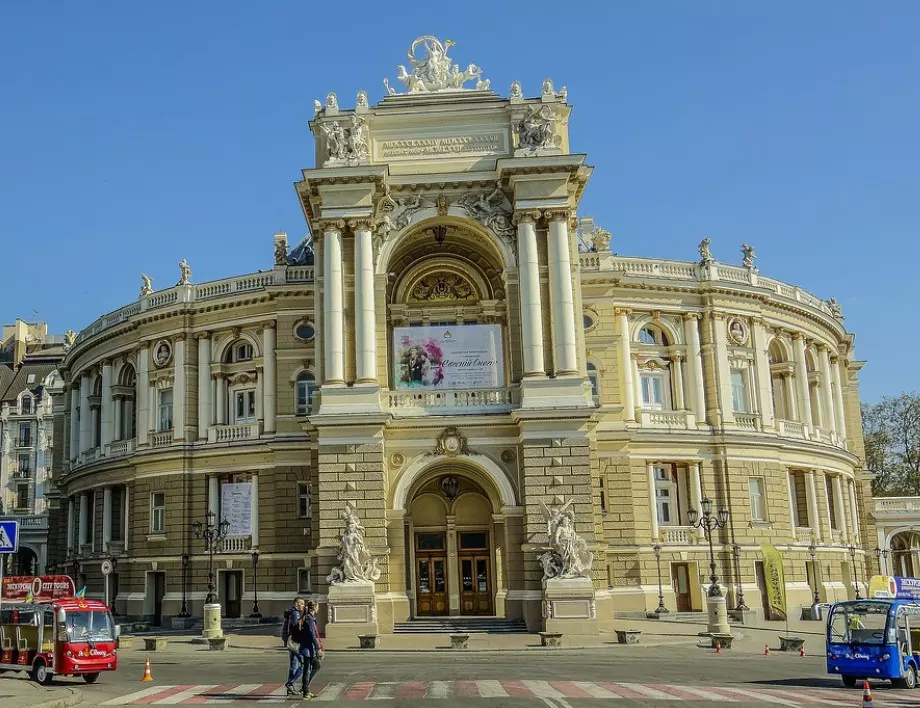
pixel 547 692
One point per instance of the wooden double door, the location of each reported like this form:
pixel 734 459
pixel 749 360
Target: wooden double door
pixel 434 575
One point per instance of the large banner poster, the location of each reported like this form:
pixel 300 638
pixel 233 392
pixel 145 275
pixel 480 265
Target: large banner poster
pixel 888 587
pixel 776 580
pixel 236 507
pixel 464 356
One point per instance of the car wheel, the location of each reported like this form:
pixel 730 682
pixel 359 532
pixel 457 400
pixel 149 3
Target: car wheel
pixel 849 681
pixel 90 678
pixel 909 680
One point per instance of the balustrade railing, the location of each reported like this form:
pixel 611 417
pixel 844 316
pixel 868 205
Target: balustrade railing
pixel 895 505
pixel 120 448
pixel 88 456
pixel 791 429
pixel 161 439
pixel 747 421
pixel 450 402
pixel 804 534
pixel 236 544
pixel 677 534
pixel 666 419
pixel 232 433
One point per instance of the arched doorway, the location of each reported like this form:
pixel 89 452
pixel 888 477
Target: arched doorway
pixel 23 562
pixel 905 554
pixel 451 538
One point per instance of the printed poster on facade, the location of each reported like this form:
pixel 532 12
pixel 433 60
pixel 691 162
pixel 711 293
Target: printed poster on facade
pixel 459 357
pixel 236 508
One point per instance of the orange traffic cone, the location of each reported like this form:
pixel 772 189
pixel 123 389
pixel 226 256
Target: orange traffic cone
pixel 802 650
pixel 766 650
pixel 718 647
pixel 147 676
pixel 867 696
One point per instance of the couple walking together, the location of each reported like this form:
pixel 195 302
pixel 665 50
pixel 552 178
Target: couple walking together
pixel 301 637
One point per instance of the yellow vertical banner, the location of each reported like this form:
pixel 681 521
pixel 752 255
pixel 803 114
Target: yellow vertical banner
pixel 776 580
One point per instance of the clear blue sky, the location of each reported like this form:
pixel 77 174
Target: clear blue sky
pixel 134 134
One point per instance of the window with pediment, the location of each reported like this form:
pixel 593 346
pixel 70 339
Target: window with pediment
pixel 654 364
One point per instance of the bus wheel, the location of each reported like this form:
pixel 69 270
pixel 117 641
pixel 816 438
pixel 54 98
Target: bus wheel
pixel 909 680
pixel 90 678
pixel 849 681
pixel 40 673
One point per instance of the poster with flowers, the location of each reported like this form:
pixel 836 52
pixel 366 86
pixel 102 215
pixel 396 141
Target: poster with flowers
pixel 460 357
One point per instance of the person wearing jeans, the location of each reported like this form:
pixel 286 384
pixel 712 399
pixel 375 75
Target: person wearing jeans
pixel 290 631
pixel 311 649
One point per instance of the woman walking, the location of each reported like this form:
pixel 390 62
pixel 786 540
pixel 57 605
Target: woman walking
pixel 311 648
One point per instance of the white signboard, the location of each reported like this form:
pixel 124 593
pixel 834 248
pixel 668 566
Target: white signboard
pixel 236 508
pixel 465 356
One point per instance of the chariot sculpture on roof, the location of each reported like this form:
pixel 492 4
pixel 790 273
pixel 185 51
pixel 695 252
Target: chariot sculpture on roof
pixel 435 72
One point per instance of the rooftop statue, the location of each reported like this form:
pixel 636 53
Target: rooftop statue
pixel 147 286
pixel 185 273
pixel 748 255
pixel 435 72
pixel 706 256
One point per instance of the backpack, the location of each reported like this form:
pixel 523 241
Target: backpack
pixel 286 627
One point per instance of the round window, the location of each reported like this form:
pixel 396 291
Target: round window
pixel 305 331
pixel 588 321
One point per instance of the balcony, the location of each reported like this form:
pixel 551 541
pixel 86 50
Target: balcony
pixel 822 435
pixel 25 441
pixel 88 456
pixel 120 448
pixel 804 535
pixel 671 420
pixel 116 548
pixel 747 421
pixel 161 439
pixel 236 544
pixel 407 404
pixel 233 433
pixel 678 535
pixel 898 507
pixel 792 429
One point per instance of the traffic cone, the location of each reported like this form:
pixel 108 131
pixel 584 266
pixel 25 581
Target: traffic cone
pixel 766 650
pixel 718 647
pixel 867 696
pixel 147 676
pixel 802 650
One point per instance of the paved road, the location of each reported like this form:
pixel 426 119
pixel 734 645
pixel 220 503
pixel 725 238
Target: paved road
pixel 625 677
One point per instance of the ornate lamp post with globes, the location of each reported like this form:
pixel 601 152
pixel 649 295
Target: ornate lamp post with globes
pixel 255 614
pixel 661 609
pixel 715 601
pixel 212 534
pixel 853 572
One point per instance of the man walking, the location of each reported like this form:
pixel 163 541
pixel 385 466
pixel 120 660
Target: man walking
pixel 290 637
pixel 311 649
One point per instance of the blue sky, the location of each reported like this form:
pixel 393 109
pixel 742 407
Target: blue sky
pixel 132 135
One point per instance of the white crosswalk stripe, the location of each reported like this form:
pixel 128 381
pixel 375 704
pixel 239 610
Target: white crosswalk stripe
pixel 137 695
pixel 706 694
pixel 491 689
pixel 542 689
pixel 275 696
pixel 439 689
pixel 182 695
pixel 332 691
pixel 236 693
pixel 383 691
pixel 762 696
pixel 649 691
pixel 595 690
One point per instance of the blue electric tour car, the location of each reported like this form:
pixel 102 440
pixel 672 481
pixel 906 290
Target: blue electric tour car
pixel 874 639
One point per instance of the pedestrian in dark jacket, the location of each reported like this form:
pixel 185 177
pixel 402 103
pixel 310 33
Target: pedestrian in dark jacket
pixel 311 648
pixel 290 636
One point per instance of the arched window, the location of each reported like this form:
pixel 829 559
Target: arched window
pixel 594 378
pixel 25 405
pixel 125 401
pixel 655 379
pixel 814 395
pixel 306 384
pixel 240 350
pixel 97 412
pixel 780 370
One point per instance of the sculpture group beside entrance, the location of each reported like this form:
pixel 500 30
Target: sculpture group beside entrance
pixel 569 557
pixel 355 562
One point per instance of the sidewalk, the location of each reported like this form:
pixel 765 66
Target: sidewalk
pixel 16 691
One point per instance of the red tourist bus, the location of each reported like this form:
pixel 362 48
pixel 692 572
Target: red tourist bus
pixel 54 633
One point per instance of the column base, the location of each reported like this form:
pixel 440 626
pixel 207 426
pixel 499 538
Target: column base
pixel 569 606
pixel 342 400
pixel 352 610
pixel 561 392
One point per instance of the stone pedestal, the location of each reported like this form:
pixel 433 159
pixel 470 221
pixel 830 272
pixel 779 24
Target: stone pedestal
pixel 352 610
pixel 718 615
pixel 568 606
pixel 212 628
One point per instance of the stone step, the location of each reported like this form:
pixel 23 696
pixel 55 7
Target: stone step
pixel 485 625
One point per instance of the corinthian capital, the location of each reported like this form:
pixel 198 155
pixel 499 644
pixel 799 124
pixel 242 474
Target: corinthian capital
pixel 363 224
pixel 332 226
pixel 557 214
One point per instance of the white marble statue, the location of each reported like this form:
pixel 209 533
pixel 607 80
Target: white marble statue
pixel 569 557
pixel 748 257
pixel 348 145
pixel 516 90
pixel 355 562
pixel 69 338
pixel 599 240
pixel 317 107
pixel 705 253
pixel 361 100
pixel 492 210
pixel 147 286
pixel 281 252
pixel 537 129
pixel 435 71
pixel 185 273
pixel 335 140
pixel 332 101
pixel 836 309
pixel 358 141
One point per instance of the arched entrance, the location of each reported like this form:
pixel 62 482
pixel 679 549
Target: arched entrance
pixel 452 543
pixel 904 558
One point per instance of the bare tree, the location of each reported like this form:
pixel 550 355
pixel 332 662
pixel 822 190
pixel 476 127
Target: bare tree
pixel 891 429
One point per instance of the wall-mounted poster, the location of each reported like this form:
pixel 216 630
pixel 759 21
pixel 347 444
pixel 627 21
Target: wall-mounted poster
pixel 236 507
pixel 464 356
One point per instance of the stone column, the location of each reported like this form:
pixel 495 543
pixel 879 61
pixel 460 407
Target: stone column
pixel 824 361
pixel 365 330
pixel 333 305
pixel 531 306
pixel 204 384
pixel 654 503
pixel 838 401
pixel 269 378
pixel 453 579
pixel 118 404
pixel 562 296
pixel 106 518
pixel 84 520
pixel 74 419
pixel 762 363
pixel 86 416
pixel 801 379
pixel 839 508
pixel 254 536
pixel 678 383
pixel 214 496
pixel 106 428
pixel 70 523
pixel 143 390
pixel 792 404
pixel 629 387
pixel 179 390
pixel 793 503
pixel 126 512
pixel 811 498
pixel 221 399
pixel 696 481
pixel 695 366
pixel 723 371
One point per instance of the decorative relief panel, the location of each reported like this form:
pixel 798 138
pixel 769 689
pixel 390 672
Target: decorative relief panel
pixel 442 287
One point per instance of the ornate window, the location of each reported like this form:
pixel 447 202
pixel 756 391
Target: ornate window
pixel 758 504
pixel 594 378
pixel 304 510
pixel 165 410
pixel 653 335
pixel 741 402
pixel 242 352
pixel 666 496
pixel 781 371
pixel 814 397
pixel 588 321
pixel 158 512
pixel 244 405
pixel 306 385
pixel 25 404
pixel 305 331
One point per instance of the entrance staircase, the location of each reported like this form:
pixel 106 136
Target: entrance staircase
pixel 459 625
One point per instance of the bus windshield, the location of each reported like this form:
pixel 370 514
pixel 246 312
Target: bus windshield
pixel 858 623
pixel 90 627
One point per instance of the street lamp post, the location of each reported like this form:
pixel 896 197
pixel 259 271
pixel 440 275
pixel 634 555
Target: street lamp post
pixel 114 562
pixel 736 552
pixel 881 553
pixel 709 522
pixel 255 614
pixel 852 550
pixel 212 534
pixel 813 550
pixel 661 609
pixel 184 611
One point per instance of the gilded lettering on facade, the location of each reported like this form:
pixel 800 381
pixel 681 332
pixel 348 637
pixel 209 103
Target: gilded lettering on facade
pixel 483 144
